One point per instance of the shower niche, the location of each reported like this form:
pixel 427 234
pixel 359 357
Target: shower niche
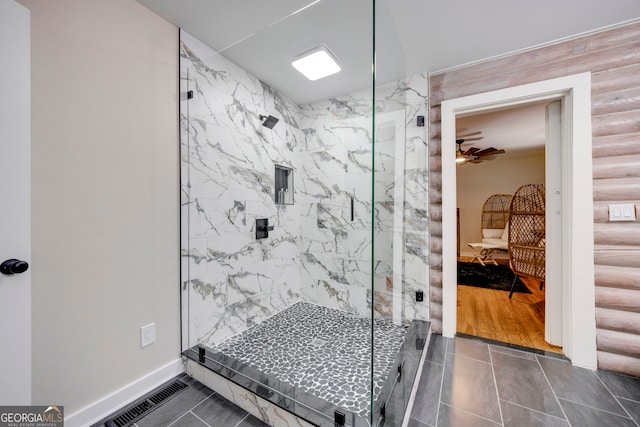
pixel 283 188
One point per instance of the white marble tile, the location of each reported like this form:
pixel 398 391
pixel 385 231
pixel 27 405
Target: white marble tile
pixel 331 162
pixel 357 132
pixel 315 240
pixel 352 299
pixel 233 251
pixel 358 245
pixel 315 252
pixel 250 402
pixel 204 215
pixel 417 152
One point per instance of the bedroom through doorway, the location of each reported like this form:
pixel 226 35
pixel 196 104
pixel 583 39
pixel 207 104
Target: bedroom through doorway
pixel 498 152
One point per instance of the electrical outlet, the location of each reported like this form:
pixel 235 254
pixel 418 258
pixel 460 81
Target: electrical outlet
pixel 419 296
pixel 147 334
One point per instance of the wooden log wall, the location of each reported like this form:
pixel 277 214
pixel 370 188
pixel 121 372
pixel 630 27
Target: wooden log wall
pixel 613 58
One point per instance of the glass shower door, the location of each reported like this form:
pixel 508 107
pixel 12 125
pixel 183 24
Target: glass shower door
pixel 300 229
pixel 400 222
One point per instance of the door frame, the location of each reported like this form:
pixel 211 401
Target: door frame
pixel 15 186
pixel 578 283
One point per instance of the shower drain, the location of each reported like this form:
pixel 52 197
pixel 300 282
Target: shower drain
pixel 318 342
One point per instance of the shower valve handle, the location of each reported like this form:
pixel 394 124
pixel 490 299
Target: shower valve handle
pixel 263 228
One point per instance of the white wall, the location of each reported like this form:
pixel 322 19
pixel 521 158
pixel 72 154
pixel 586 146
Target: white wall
pixel 477 181
pixel 104 196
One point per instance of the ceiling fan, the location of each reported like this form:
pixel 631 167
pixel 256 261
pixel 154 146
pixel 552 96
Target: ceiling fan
pixel 474 155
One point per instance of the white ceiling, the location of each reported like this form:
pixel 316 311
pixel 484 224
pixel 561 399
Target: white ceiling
pixel 518 130
pixel 412 36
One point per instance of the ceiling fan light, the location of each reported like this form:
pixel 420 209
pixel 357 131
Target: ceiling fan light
pixel 317 63
pixel 460 157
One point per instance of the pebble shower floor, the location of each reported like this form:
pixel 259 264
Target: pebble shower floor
pixel 322 351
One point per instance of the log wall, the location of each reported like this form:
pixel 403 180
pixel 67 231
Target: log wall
pixel 613 58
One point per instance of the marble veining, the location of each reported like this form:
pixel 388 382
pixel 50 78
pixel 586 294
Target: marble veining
pixel 317 252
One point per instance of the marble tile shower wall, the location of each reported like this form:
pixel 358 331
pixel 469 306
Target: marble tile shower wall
pixel 335 250
pixel 336 159
pixel 416 245
pixel 232 281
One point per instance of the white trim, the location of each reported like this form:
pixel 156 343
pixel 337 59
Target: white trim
pixel 557 130
pixel 579 331
pixel 119 398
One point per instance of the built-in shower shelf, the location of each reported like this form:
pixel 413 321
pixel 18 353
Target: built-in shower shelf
pixel 283 189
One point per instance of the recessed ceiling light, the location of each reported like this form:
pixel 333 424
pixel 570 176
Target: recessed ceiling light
pixel 317 63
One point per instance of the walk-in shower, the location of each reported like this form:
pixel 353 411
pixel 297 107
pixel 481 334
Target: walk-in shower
pixel 304 246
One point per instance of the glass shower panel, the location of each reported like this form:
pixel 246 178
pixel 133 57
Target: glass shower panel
pixel 304 219
pixel 277 290
pixel 241 253
pixel 400 229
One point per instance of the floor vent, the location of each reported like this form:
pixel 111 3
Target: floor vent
pixel 146 405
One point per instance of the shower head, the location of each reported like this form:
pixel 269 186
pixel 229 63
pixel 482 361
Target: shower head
pixel 268 121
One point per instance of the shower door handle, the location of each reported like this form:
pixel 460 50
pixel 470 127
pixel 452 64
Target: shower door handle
pixel 13 266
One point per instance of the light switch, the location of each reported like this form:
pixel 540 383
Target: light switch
pixel 622 212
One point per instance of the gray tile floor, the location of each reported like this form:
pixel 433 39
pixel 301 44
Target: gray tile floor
pixel 197 406
pixel 464 383
pixel 471 383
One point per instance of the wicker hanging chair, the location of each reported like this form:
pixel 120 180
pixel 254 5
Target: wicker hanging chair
pixel 495 221
pixel 527 233
pixel 495 211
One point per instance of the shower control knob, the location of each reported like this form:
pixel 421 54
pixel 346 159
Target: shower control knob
pixel 13 266
pixel 263 228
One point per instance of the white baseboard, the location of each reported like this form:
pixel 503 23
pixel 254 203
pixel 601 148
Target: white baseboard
pixel 119 398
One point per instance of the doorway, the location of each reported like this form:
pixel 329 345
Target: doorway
pixel 503 150
pixel 578 296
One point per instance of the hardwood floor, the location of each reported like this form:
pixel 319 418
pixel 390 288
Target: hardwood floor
pixel 489 313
